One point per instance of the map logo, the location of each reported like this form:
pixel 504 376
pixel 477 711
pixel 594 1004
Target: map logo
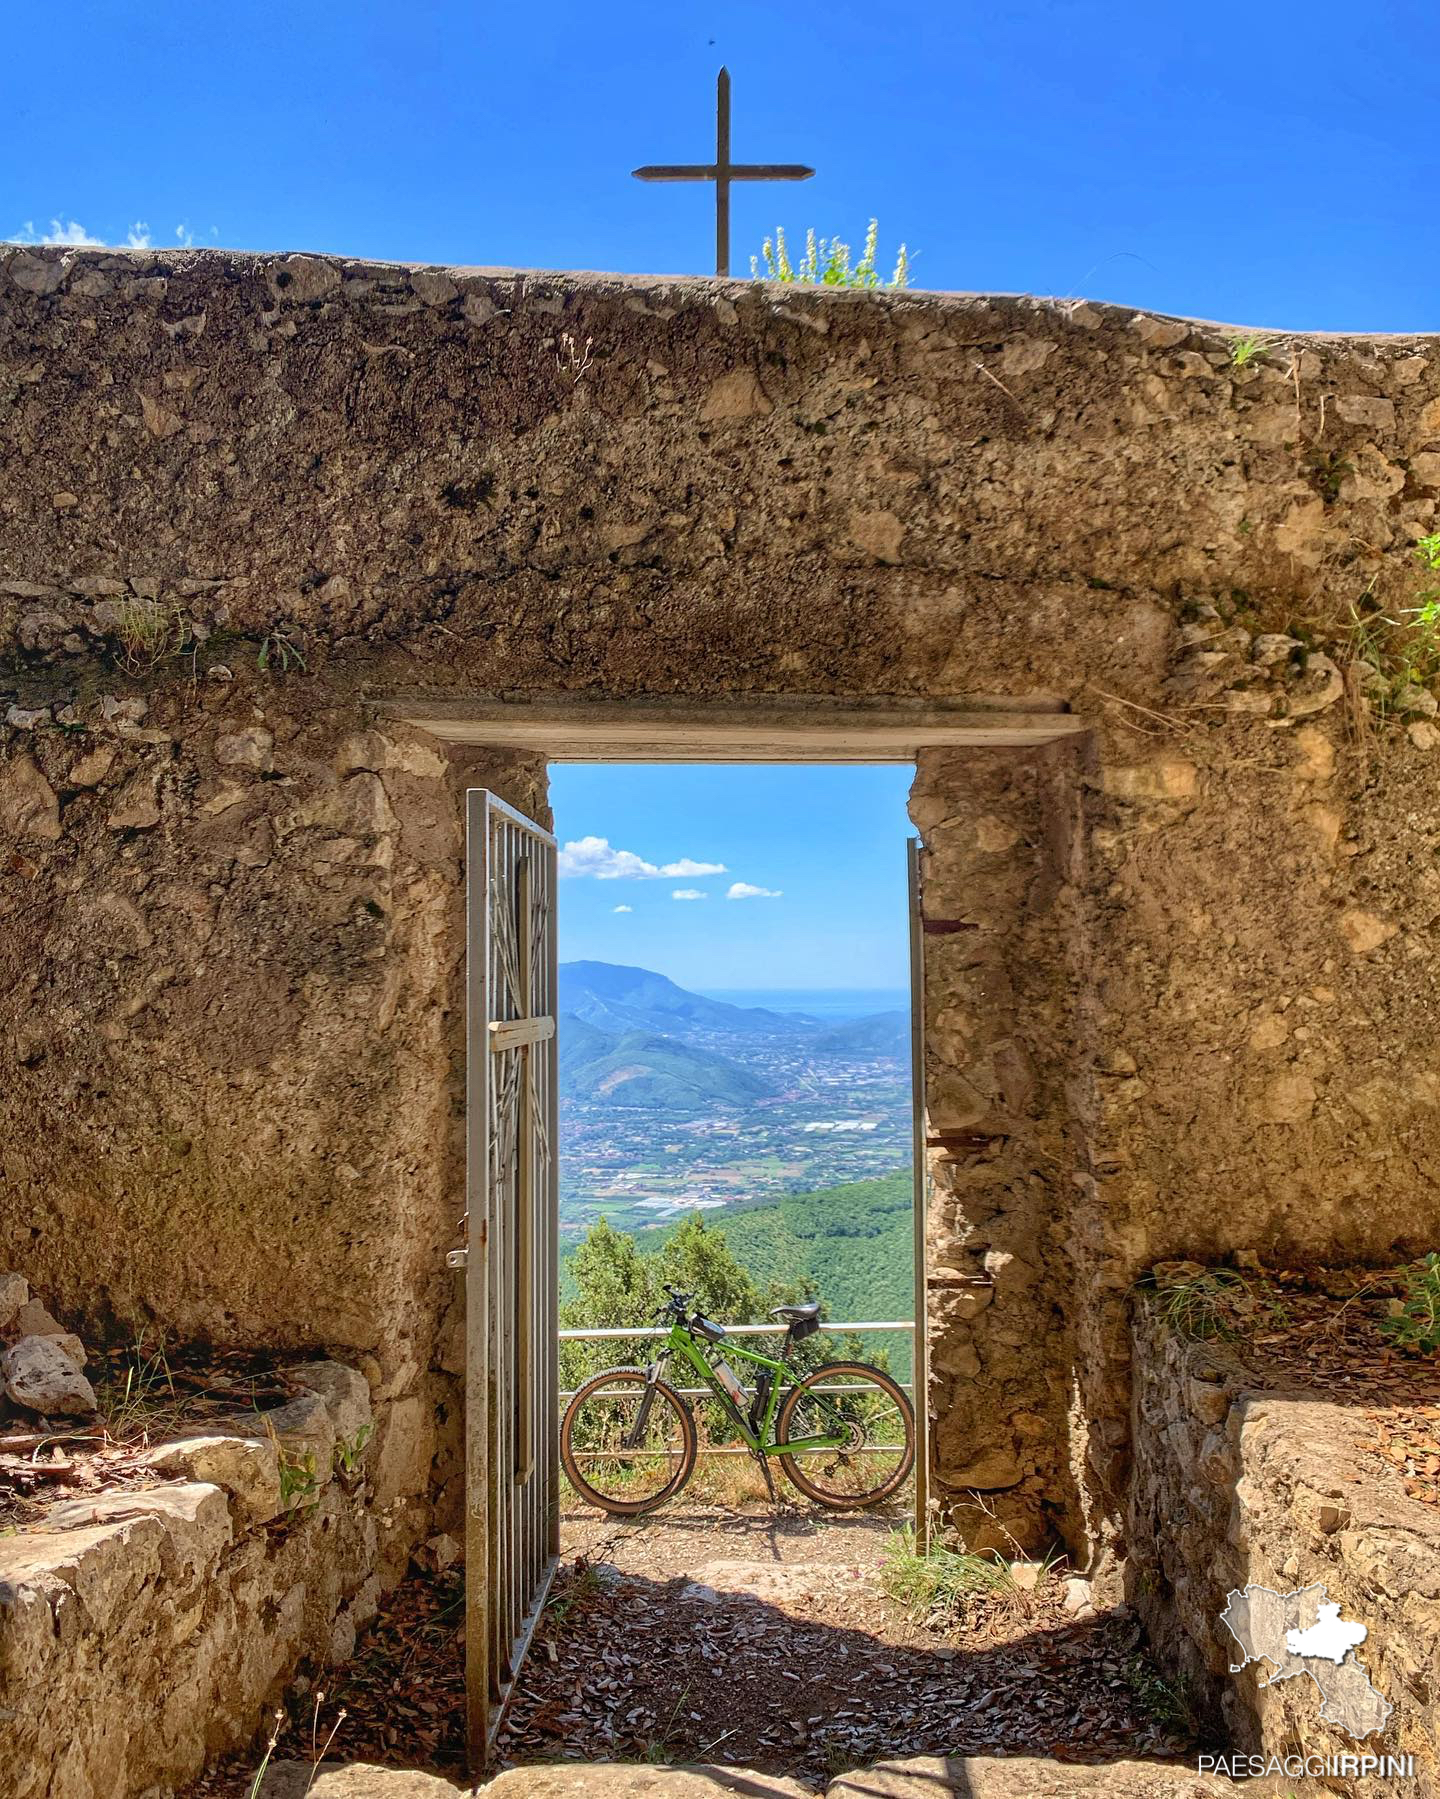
pixel 1303 1633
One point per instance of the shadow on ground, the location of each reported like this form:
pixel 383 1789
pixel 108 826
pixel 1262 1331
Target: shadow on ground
pixel 761 1640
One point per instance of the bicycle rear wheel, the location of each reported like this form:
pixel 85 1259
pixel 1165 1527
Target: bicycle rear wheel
pixel 627 1446
pixel 873 1422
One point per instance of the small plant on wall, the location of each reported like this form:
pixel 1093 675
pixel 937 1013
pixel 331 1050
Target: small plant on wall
pixel 1399 655
pixel 1414 1320
pixel 826 262
pixel 1245 352
pixel 1206 1303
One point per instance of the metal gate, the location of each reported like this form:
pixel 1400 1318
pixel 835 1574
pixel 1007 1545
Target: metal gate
pixel 919 1142
pixel 511 1408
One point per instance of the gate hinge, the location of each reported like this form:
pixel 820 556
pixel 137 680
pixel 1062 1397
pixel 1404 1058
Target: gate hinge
pixel 460 1258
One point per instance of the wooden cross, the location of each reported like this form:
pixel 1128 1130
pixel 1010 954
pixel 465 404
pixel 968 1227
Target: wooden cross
pixel 722 172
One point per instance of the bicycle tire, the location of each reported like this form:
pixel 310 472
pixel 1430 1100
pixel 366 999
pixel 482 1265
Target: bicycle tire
pixel 829 1372
pixel 618 1506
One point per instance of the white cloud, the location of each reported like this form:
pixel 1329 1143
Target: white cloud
pixel 72 232
pixel 59 233
pixel 624 908
pixel 687 893
pixel 743 890
pixel 595 856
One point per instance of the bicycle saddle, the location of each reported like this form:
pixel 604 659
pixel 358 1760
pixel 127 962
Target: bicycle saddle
pixel 797 1314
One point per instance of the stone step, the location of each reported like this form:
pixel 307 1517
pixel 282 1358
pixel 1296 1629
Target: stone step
pixel 352 1780
pixel 921 1777
pixel 1025 1777
pixel 638 1780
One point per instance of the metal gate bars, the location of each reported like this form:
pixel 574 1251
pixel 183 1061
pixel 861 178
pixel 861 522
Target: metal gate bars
pixel 511 1190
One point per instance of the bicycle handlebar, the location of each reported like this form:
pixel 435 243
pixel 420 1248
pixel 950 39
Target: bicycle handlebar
pixel 677 1305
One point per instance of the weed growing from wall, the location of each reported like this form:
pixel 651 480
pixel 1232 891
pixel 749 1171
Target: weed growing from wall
pixel 826 262
pixel 280 651
pixel 348 1451
pixel 1170 1703
pixel 146 632
pixel 299 1483
pixel 1399 658
pixel 1205 1305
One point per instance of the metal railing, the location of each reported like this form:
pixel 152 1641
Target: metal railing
pixel 624 1332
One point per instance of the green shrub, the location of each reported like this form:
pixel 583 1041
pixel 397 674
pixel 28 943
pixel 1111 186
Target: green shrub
pixel 1414 1321
pixel 939 1587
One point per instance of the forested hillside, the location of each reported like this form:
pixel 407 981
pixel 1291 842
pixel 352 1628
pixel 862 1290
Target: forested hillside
pixel 853 1245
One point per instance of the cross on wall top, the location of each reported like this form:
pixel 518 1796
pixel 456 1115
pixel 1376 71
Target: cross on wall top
pixel 722 172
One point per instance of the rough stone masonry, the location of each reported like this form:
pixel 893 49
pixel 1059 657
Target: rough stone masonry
pixel 1179 979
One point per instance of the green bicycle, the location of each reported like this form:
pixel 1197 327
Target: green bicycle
pixel 844 1433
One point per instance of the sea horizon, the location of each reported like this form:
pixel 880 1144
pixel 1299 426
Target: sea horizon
pixel 817 1002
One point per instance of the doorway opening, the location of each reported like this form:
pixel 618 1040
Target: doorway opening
pixel 737 1114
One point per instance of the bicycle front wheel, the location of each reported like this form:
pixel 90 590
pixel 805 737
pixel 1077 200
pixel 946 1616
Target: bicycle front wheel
pixel 627 1446
pixel 854 1435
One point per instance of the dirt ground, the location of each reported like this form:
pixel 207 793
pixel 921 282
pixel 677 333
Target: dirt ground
pixel 755 1635
pixel 764 1637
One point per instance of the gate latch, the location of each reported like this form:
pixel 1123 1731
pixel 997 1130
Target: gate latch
pixel 457 1258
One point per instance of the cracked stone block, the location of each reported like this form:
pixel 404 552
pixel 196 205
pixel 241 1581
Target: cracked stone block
pixel 346 1394
pixel 245 1468
pixel 616 1781
pixel 41 1376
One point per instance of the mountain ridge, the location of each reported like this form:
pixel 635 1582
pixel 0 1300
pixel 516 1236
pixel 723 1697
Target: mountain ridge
pixel 649 1070
pixel 615 997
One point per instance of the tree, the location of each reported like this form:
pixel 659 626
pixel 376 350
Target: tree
pixel 614 1283
pixel 698 1260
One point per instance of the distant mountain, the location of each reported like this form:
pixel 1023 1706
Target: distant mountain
pixel 644 1069
pixel 579 1044
pixel 613 998
pixel 882 1034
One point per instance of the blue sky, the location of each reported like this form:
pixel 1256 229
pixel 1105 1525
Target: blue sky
pixel 1269 165
pixel 826 845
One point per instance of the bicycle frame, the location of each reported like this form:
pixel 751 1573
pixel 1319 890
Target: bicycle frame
pixel 682 1343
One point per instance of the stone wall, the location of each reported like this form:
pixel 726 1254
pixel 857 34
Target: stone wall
pixel 234 1008
pixel 745 491
pixel 1234 1485
pixel 144 1632
pixel 1172 969
pixel 1178 1003
pixel 997 1032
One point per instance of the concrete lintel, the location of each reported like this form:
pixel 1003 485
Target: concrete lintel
pixel 771 730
